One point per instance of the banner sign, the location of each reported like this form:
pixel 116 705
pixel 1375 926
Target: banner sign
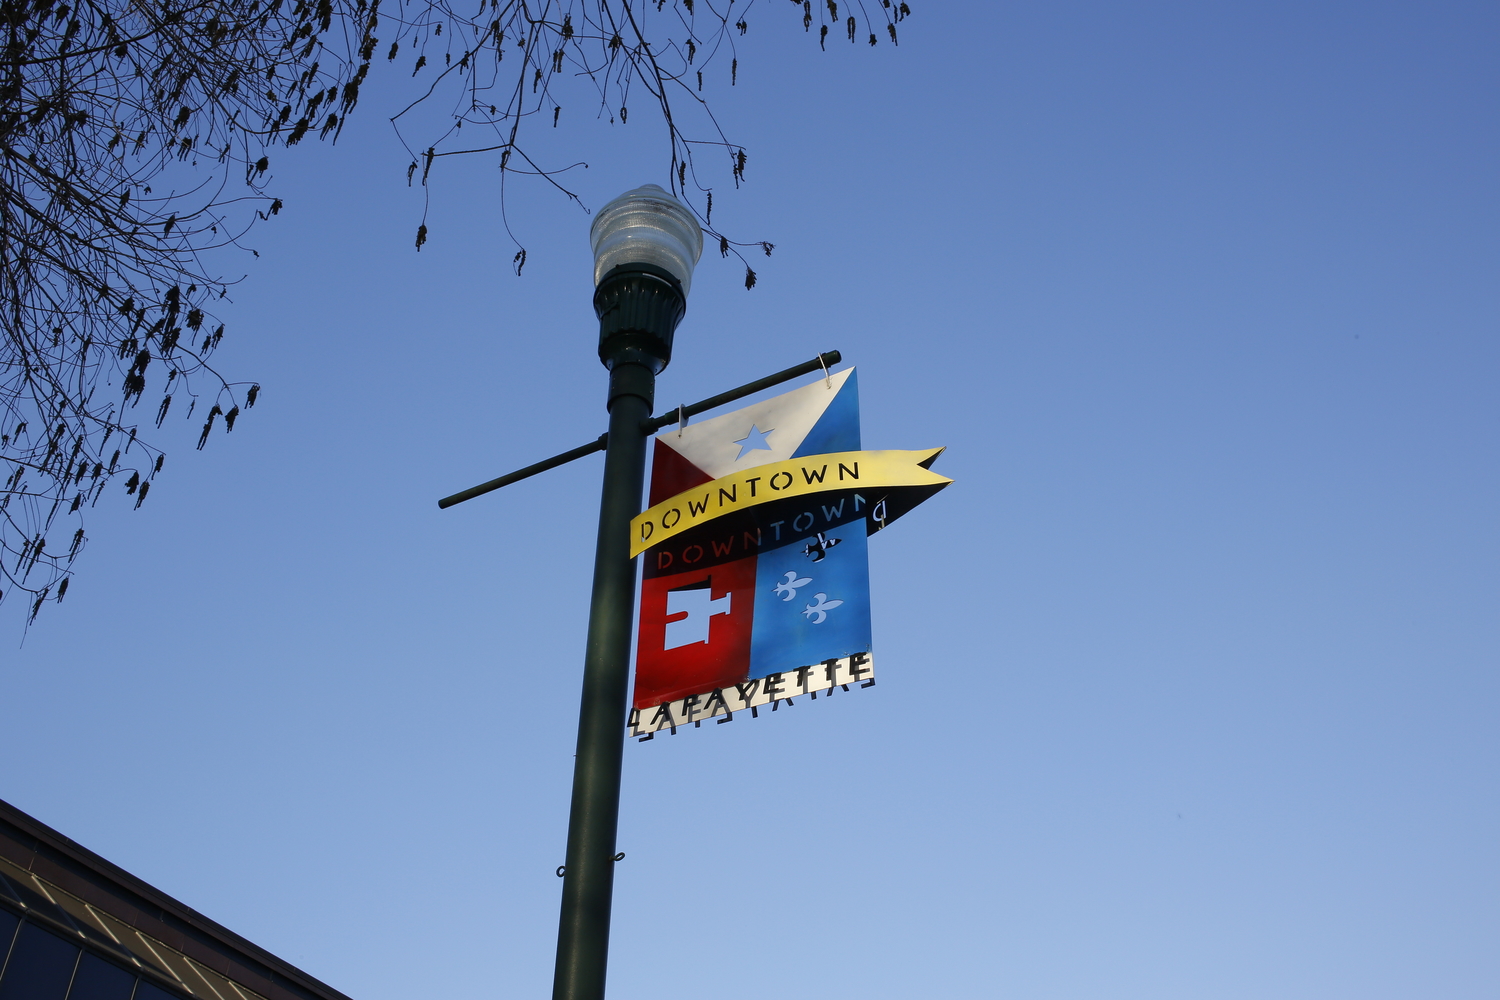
pixel 756 585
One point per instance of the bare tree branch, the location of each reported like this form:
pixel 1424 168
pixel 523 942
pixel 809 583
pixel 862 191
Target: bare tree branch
pixel 127 128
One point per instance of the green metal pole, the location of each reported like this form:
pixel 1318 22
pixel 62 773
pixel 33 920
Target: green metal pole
pixel 639 307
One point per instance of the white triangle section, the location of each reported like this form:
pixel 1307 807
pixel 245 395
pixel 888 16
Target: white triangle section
pixel 763 432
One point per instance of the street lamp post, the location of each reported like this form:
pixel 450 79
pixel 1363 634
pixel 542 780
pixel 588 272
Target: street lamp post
pixel 645 246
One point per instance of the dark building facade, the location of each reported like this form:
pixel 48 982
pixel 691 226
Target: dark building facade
pixel 75 927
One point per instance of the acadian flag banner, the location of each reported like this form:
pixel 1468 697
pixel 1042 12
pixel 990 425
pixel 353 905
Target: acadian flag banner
pixel 756 581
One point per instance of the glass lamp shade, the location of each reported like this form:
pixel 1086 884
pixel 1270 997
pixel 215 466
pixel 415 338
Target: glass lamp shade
pixel 647 226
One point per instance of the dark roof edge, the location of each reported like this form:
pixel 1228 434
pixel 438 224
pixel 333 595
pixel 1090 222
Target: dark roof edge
pixel 123 879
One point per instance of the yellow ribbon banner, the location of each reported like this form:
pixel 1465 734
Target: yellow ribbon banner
pixel 739 491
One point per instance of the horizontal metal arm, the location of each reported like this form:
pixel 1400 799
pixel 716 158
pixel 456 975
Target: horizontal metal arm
pixel 526 473
pixel 822 362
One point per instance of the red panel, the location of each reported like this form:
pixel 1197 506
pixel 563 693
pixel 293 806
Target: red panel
pixel 671 474
pixel 668 674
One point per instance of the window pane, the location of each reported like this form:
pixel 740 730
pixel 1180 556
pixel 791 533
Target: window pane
pixel 40 966
pixel 97 979
pixel 8 922
pixel 150 991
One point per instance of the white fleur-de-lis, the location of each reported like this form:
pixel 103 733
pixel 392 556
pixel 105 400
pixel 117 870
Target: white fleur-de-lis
pixel 789 586
pixel 821 608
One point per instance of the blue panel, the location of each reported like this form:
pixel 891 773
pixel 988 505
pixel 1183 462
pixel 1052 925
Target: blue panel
pixel 97 979
pixel 787 632
pixel 838 428
pixel 40 966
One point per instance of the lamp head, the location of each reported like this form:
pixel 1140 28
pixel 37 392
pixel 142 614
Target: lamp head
pixel 646 226
pixel 645 245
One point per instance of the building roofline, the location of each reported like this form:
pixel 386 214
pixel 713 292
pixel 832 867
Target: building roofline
pixel 70 855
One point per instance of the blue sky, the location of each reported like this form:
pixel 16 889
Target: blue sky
pixel 1188 684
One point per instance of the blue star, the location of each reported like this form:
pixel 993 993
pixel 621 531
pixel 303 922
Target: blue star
pixel 754 441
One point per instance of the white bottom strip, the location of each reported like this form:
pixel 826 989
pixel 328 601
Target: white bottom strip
pixel 749 696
